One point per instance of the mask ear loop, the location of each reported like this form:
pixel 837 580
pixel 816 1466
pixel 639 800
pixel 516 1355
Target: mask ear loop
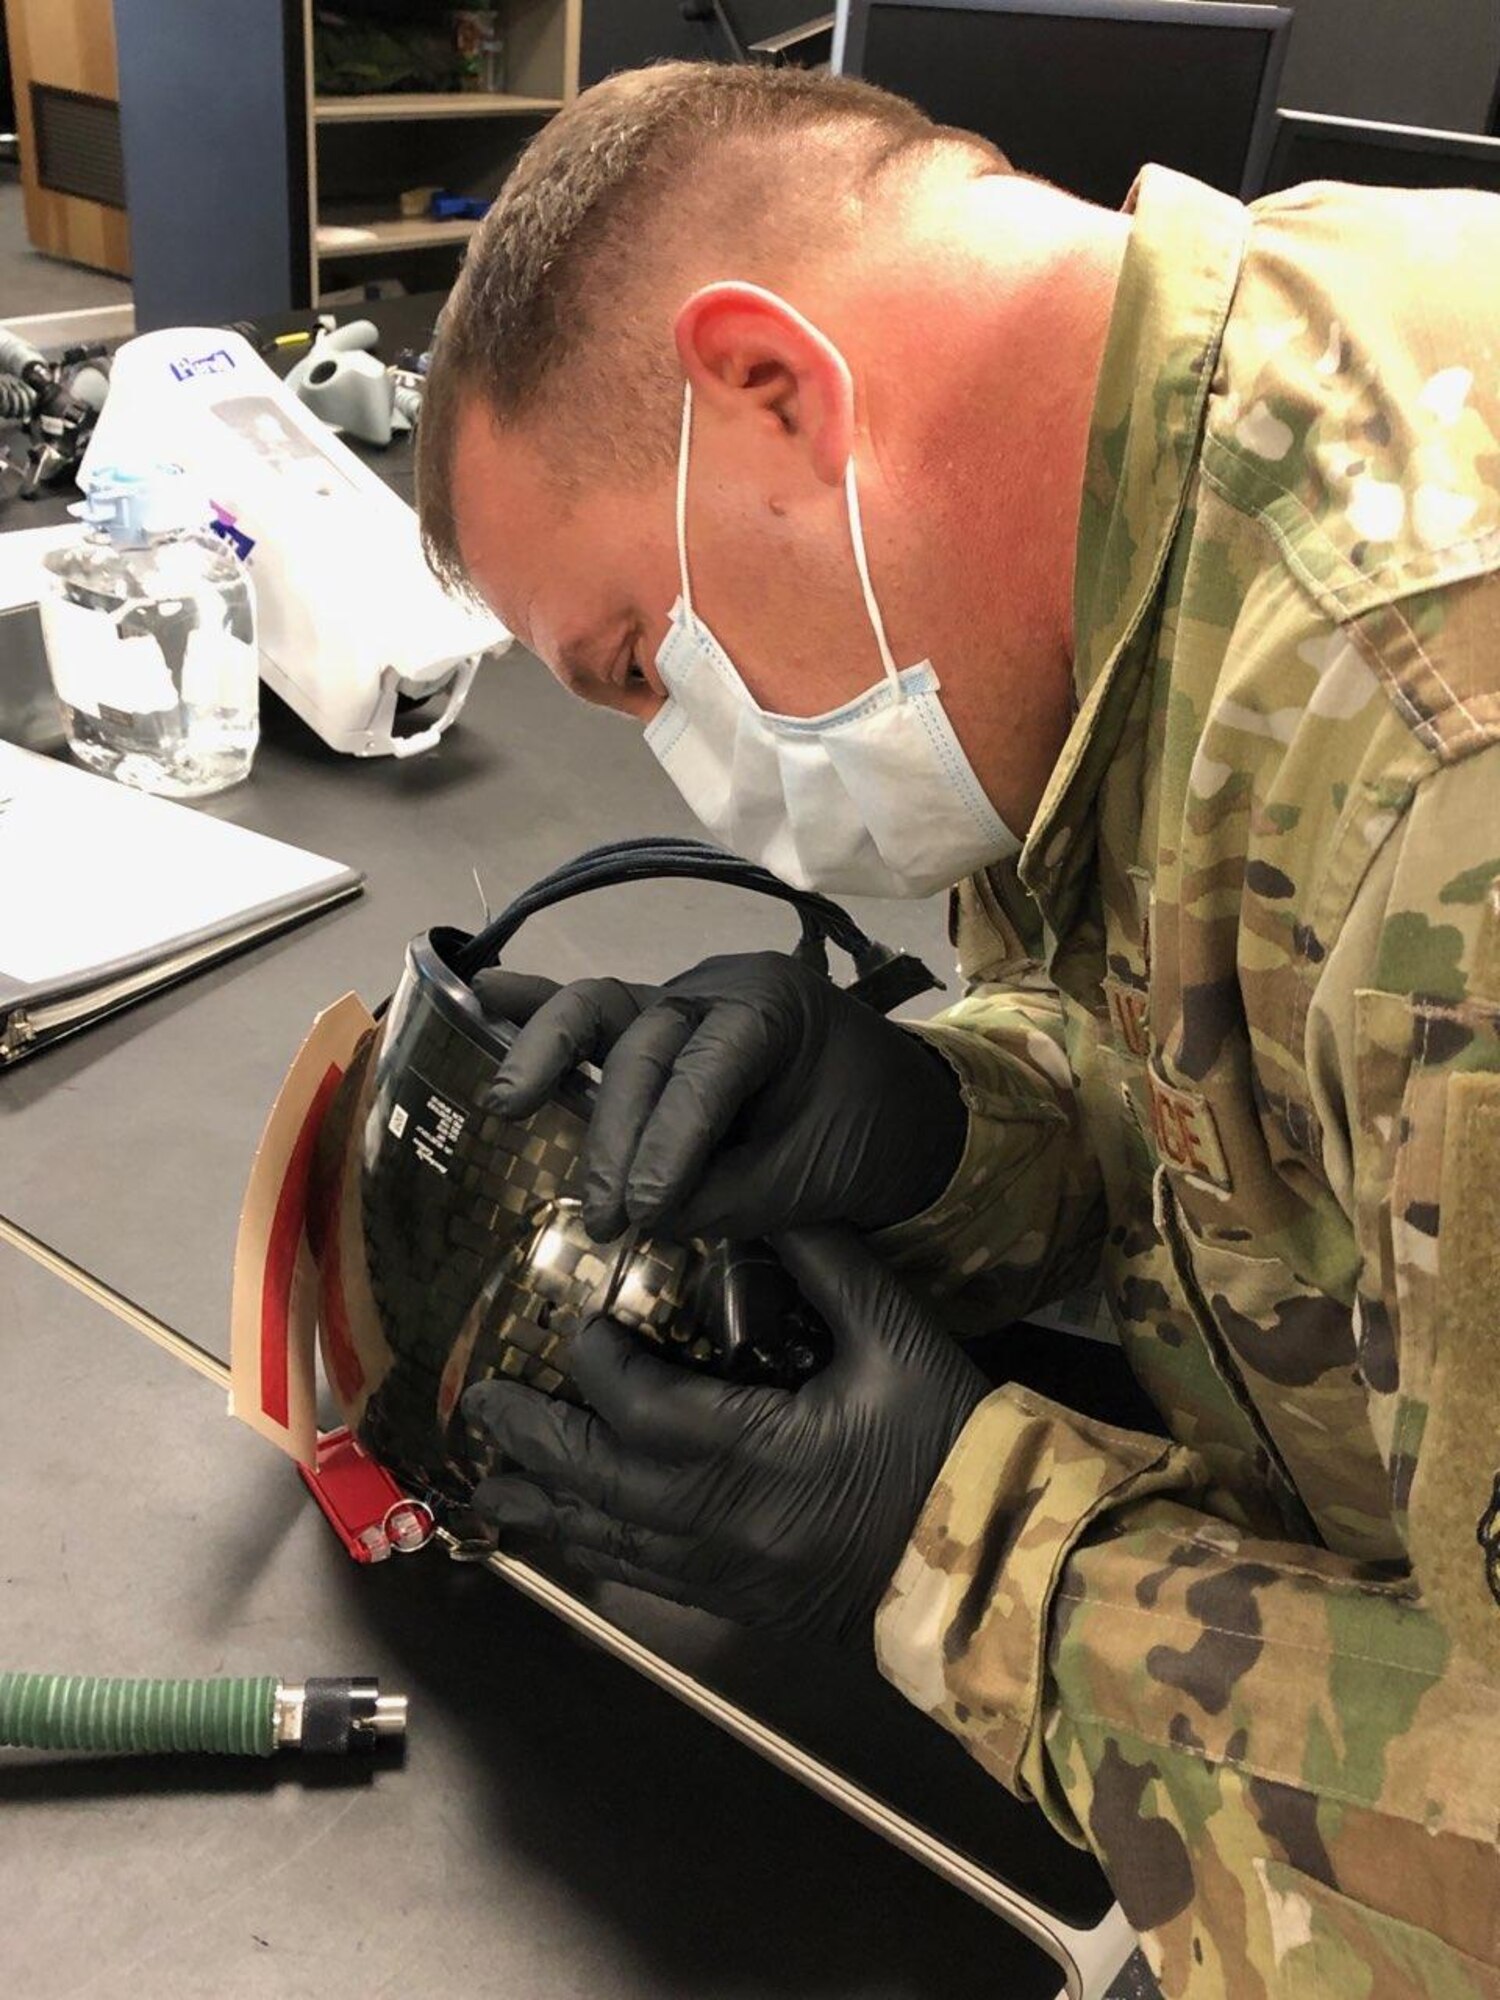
pixel 683 450
pixel 857 537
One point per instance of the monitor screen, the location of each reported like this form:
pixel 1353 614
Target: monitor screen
pixel 1314 148
pixel 1086 98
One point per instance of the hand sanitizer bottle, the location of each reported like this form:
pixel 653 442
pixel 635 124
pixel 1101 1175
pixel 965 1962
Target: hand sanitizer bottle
pixel 149 625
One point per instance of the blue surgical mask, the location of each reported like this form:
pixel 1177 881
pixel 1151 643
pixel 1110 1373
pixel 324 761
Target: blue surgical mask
pixel 875 798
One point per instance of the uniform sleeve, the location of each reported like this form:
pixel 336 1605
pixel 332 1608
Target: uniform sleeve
pixel 1066 1592
pixel 1020 1222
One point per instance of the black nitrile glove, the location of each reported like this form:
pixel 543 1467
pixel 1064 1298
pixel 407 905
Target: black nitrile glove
pixel 782 1508
pixel 745 1096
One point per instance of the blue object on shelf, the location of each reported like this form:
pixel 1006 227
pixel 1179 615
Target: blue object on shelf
pixel 457 208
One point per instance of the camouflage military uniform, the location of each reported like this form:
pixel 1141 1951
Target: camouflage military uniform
pixel 1254 1084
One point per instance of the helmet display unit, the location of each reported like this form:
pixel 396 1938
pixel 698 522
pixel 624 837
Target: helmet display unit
pixel 427 1241
pixel 449 1239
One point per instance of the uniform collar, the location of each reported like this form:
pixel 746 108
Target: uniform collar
pixel 1176 285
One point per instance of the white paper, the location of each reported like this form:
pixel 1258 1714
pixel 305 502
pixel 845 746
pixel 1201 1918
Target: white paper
pixel 92 872
pixel 21 552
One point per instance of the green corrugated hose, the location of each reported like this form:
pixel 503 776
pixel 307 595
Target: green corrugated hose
pixel 89 1712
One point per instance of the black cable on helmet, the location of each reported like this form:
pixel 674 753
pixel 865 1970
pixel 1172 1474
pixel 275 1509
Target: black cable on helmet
pixel 883 977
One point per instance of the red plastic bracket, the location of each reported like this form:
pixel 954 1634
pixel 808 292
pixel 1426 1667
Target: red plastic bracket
pixel 367 1510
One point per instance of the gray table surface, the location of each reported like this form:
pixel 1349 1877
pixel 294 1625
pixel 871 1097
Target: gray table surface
pixel 558 1828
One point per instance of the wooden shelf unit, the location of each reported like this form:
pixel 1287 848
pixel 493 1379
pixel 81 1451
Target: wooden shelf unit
pixel 417 105
pixel 542 55
pixel 387 239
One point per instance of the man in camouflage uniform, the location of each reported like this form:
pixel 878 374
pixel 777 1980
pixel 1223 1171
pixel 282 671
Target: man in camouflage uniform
pixel 1244 981
pixel 1268 868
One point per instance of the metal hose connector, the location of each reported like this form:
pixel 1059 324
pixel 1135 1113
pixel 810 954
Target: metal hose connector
pixel 16 354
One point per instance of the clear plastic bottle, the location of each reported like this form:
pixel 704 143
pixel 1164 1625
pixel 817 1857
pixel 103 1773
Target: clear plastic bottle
pixel 149 623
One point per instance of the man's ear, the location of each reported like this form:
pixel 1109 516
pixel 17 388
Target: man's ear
pixel 752 357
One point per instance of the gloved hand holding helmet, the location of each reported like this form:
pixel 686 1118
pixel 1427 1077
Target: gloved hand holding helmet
pixel 782 1509
pixel 745 1096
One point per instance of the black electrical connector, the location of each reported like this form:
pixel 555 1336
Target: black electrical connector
pixel 885 979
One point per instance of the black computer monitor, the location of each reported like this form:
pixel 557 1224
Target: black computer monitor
pixel 1085 92
pixel 1312 147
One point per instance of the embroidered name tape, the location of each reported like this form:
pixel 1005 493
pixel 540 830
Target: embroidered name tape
pixel 1128 1016
pixel 1182 1124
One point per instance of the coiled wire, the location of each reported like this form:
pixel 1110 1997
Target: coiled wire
pixel 17 398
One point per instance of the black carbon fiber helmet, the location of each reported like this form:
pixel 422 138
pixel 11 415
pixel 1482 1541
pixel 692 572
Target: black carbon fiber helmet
pixel 449 1240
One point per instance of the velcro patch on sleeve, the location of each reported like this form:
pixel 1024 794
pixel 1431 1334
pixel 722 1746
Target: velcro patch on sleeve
pixel 1454 1524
